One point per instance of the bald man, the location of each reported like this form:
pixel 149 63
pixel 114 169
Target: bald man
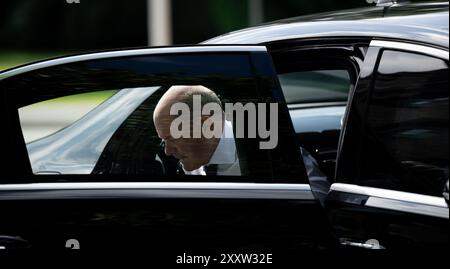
pixel 198 156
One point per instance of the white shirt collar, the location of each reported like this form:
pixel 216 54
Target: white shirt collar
pixel 225 152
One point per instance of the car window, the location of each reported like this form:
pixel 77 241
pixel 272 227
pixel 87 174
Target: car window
pixel 317 101
pixel 407 124
pixel 76 147
pixel 73 123
pixel 315 86
pixel 47 117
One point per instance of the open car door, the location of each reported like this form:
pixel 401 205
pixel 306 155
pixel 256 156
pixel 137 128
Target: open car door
pixel 102 181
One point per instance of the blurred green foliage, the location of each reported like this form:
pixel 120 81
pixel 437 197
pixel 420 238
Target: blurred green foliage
pixel 90 98
pixel 104 24
pixel 54 26
pixel 10 58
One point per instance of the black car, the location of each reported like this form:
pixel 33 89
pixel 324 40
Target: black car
pixel 362 95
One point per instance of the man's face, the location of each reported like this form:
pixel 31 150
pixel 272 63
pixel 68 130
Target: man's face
pixel 192 152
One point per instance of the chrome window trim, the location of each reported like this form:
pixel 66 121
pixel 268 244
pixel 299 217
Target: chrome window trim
pixel 314 105
pixel 155 190
pixel 409 207
pixel 440 53
pixel 397 200
pixel 127 53
pixel 152 185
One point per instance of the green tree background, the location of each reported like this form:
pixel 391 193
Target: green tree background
pixel 53 27
pixel 103 24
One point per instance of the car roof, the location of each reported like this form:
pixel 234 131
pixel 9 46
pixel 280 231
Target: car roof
pixel 419 22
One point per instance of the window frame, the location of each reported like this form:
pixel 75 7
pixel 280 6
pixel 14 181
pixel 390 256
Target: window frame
pixel 347 53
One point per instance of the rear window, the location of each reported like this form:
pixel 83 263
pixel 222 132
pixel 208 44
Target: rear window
pixel 407 125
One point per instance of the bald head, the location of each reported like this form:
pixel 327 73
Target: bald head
pixel 184 94
pixel 192 152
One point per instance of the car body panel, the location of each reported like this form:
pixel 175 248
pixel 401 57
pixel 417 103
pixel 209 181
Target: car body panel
pixel 170 217
pixel 420 23
pixel 164 216
pixel 369 218
pixel 392 218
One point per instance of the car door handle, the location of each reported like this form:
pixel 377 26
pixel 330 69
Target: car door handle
pixel 369 244
pixel 13 242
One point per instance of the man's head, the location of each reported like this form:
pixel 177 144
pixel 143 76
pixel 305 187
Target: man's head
pixel 192 152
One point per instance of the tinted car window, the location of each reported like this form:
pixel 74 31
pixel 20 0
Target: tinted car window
pixel 315 86
pixel 407 124
pixel 117 136
pixel 47 117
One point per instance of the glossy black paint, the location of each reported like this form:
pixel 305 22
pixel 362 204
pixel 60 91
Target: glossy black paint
pixel 394 230
pixel 354 120
pixel 423 23
pixel 17 165
pixel 426 22
pixel 167 227
pixel 160 220
pixel 396 136
pixel 105 219
pixel 360 146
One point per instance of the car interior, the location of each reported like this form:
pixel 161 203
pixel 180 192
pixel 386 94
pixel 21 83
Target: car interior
pixel 317 69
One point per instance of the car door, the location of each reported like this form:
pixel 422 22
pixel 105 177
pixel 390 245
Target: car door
pixel 393 154
pixel 100 179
